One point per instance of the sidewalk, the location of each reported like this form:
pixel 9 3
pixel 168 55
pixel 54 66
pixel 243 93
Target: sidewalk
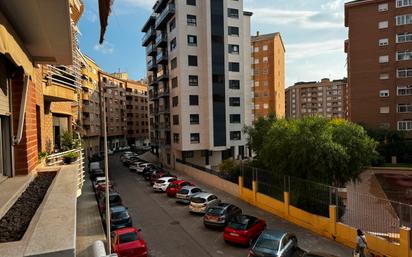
pixel 89 224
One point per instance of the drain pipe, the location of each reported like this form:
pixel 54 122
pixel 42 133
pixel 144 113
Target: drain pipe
pixel 23 105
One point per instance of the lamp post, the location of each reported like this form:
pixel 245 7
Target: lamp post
pixel 106 173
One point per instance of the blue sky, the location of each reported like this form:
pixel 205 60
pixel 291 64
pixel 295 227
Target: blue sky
pixel 313 32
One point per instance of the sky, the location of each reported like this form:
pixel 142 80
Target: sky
pixel 313 33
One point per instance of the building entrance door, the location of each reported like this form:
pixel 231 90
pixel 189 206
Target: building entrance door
pixel 5 148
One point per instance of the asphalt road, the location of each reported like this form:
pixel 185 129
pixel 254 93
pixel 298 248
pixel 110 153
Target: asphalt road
pixel 171 231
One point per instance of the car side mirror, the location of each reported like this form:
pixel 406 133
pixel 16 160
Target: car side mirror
pixel 139 230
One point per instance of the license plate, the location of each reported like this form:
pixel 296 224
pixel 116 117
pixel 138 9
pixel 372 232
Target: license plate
pixel 234 234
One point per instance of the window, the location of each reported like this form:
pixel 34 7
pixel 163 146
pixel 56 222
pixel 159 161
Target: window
pixel 188 154
pixel 383 42
pixel 265 106
pixel 175 101
pixel 403 3
pixel 384 109
pixel 235 135
pixel 234 66
pixel 175 119
pixel 404 73
pixel 192 60
pixel 233 31
pixel 172 25
pixel 193 100
pixel 403 19
pixel 191 2
pixel 403 38
pixel 383 59
pixel 256 61
pixel 173 44
pixel 402 56
pixel 173 63
pixel 256 49
pixel 383 24
pixel 384 76
pixel 256 83
pixel 235 118
pixel 194 119
pixel 265 48
pixel 192 40
pixel 384 93
pixel 174 82
pixel 191 20
pixel 405 125
pixel 265 59
pixel 383 7
pixel 193 81
pixel 233 13
pixel 404 108
pixel 234 84
pixel 234 101
pixel 176 138
pixel 234 49
pixel 194 138
pixel 404 90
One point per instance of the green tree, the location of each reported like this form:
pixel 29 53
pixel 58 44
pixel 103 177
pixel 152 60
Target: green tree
pixel 258 131
pixel 333 152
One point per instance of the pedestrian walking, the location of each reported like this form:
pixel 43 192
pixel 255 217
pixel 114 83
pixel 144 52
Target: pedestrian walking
pixel 360 244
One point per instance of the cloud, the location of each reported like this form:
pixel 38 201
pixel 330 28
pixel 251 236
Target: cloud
pixel 146 4
pixel 105 48
pixel 334 6
pixel 91 16
pixel 308 50
pixel 304 19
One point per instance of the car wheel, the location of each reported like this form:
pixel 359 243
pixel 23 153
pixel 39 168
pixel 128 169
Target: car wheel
pixel 295 243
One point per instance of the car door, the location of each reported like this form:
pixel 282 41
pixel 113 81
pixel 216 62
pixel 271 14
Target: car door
pixel 253 228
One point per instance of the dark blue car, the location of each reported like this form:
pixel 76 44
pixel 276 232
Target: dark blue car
pixel 120 217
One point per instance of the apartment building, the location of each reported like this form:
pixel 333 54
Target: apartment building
pixel 326 98
pixel 268 75
pixel 91 107
pixel 199 76
pixel 380 63
pixel 137 113
pixel 36 89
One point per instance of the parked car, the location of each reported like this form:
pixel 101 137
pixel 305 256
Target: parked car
pixel 114 200
pixel 96 173
pixel 274 243
pixel 119 218
pixel 162 183
pixel 175 186
pixel 200 202
pixel 110 152
pixel 127 242
pixel 148 171
pixel 244 229
pixel 159 174
pixel 129 161
pixel 100 193
pixel 186 193
pixel 94 166
pixel 141 167
pixel 97 181
pixel 220 214
pixel 318 254
pixel 102 187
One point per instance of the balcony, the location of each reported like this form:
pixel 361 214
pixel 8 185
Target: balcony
pixel 161 57
pixel 151 50
pixel 159 5
pixel 162 74
pixel 85 96
pixel 152 79
pixel 164 126
pixel 151 65
pixel 151 21
pixel 164 110
pixel 163 92
pixel 58 93
pixel 153 95
pixel 161 40
pixel 164 17
pixel 165 143
pixel 149 36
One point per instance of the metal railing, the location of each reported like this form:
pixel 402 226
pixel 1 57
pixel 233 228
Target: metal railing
pixel 58 159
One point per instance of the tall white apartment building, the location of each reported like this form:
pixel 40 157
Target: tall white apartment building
pixel 199 75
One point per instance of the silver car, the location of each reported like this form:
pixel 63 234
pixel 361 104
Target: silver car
pixel 272 243
pixel 186 193
pixel 200 202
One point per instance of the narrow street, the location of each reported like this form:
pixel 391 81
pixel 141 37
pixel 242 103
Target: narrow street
pixel 170 230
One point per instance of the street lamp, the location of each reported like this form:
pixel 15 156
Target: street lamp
pixel 106 172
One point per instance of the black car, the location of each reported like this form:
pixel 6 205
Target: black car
pixel 96 173
pixel 219 215
pixel 120 217
pixel 114 200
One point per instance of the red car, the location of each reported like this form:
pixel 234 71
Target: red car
pixel 127 242
pixel 244 229
pixel 175 187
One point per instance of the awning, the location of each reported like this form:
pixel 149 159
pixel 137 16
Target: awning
pixel 11 47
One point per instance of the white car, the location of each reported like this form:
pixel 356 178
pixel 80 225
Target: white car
pixel 142 166
pixel 200 202
pixel 110 152
pixel 186 193
pixel 162 183
pixel 99 180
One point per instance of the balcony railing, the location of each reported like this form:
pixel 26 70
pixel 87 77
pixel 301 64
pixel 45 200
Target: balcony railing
pixel 164 126
pixel 151 50
pixel 150 34
pixel 163 92
pixel 161 57
pixel 161 40
pixel 162 74
pixel 165 15
pixel 151 65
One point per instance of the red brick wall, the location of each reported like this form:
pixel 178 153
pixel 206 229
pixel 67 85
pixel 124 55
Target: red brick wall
pixel 25 153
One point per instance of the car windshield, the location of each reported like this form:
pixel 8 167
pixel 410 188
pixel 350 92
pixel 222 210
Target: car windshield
pixel 128 237
pixel 160 181
pixel 198 200
pixel 120 215
pixel 215 211
pixel 237 225
pixel 115 199
pixel 184 191
pixel 267 243
pixel 172 185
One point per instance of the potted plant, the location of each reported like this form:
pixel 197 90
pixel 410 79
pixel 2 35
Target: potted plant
pixel 70 157
pixel 42 157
